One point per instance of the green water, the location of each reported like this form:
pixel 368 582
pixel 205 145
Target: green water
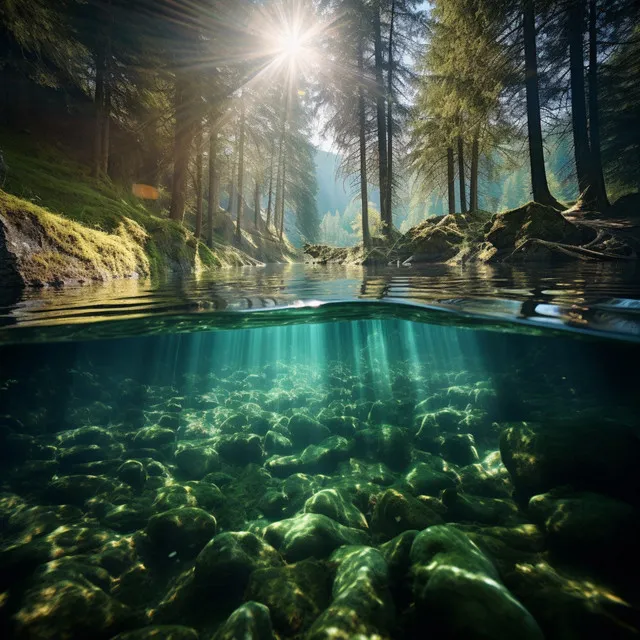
pixel 384 471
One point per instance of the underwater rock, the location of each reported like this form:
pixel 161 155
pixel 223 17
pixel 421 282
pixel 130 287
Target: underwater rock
pixel 368 472
pixel 362 605
pixel 478 481
pixel 126 518
pixel 601 458
pixel 277 443
pixel 174 496
pixel 595 529
pixel 240 448
pixel 331 503
pixel 153 437
pixel 305 430
pixel 226 562
pixel 251 621
pixel 310 536
pixel 423 479
pixel 325 456
pixel 460 449
pixel 344 426
pixel 395 512
pixel 208 496
pixel 86 436
pixel 133 473
pixel 184 531
pixel 458 593
pixel 295 594
pixel 77 489
pixel 386 444
pixel 160 632
pixel 397 554
pixel 70 609
pixel 492 511
pixel 195 462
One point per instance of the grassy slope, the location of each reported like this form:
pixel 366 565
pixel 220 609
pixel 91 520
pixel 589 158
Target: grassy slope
pixel 45 176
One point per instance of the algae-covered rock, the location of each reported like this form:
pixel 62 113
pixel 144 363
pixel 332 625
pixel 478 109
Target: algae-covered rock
pixel 458 593
pixel 77 489
pixel 423 479
pixel 395 512
pixel 362 605
pixel 240 448
pixel 595 529
pixel 173 496
pixel 332 503
pixel 195 462
pixel 154 437
pixel 184 531
pixel 277 443
pixel 70 609
pixel 225 564
pixel 295 594
pixel 386 444
pixel 310 536
pixel 251 621
pixel 493 511
pixel 305 430
pixel 585 456
pixel 460 449
pixel 160 632
pixel 133 473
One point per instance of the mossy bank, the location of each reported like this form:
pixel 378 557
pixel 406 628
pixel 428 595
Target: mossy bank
pixel 58 225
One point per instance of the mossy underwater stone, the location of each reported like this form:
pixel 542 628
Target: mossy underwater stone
pixel 305 430
pixel 154 437
pixel 195 462
pixel 458 593
pixel 601 458
pixel 251 621
pixel 295 594
pixel 184 531
pixel 277 443
pixel 133 473
pixel 395 512
pixel 70 609
pixel 423 479
pixel 386 444
pixel 310 536
pixel 241 448
pixel 362 605
pixel 333 504
pixel 227 561
pixel 160 632
pixel 463 507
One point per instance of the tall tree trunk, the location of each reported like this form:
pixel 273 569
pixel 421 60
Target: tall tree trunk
pixel 475 160
pixel 240 199
pixel 594 110
pixel 199 185
pixel 539 184
pixel 256 203
pixel 185 128
pixel 382 125
pixel 214 184
pixel 390 115
pixel 451 181
pixel 584 168
pixel 270 198
pixel 364 196
pixel 106 126
pixel 284 196
pixel 276 213
pixel 461 178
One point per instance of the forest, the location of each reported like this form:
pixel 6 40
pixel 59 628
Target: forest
pixel 208 113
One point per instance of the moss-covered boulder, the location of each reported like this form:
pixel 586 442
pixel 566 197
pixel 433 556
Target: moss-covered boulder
pixel 311 535
pixel 184 531
pixel 195 462
pixel 251 621
pixel 386 444
pixel 226 562
pixel 154 437
pixel 305 430
pixel 241 448
pixel 160 632
pixel 295 594
pixel 589 457
pixel 362 605
pixel 332 503
pixel 458 593
pixel 395 512
pixel 133 473
pixel 462 507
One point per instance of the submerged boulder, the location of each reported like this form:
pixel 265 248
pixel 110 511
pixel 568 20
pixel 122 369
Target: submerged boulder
pixel 458 593
pixel 311 536
pixel 251 621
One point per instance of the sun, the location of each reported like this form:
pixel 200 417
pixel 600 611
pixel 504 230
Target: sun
pixel 291 45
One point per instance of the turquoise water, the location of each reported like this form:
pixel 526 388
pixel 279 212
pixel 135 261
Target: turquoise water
pixel 414 463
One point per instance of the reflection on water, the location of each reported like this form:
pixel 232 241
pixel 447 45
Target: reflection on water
pixel 599 297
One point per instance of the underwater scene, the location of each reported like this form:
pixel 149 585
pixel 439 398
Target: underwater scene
pixel 365 478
